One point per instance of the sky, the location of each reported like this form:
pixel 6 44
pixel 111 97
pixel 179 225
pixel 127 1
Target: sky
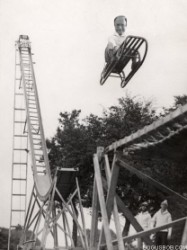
pixel 68 41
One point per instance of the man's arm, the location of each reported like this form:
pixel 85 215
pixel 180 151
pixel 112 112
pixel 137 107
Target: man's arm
pixel 169 229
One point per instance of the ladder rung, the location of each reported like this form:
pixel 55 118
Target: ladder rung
pixel 21 149
pixel 19 194
pixel 33 107
pixel 18 93
pixel 19 163
pixel 18 210
pixel 19 179
pixel 20 109
pixel 20 136
pixel 19 121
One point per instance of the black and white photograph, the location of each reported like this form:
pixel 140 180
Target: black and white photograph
pixel 93 125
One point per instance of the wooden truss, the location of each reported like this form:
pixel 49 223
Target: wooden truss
pixel 112 204
pixel 52 218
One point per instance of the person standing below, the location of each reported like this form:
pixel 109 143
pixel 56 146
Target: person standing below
pixel 162 217
pixel 144 217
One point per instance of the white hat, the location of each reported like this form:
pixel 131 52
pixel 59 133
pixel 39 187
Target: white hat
pixel 165 202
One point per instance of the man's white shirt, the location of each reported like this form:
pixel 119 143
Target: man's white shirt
pixel 115 40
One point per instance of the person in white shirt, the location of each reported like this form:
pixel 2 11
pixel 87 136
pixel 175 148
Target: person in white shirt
pixel 144 219
pixel 114 41
pixel 160 218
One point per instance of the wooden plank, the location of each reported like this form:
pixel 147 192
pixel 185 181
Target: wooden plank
pixel 184 236
pixel 94 222
pixel 127 213
pixel 110 196
pixel 64 225
pixel 160 186
pixel 148 232
pixel 55 226
pixel 102 203
pixel 115 211
pixel 82 215
pixel 69 230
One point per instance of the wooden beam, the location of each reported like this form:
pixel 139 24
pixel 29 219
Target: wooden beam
pixel 184 236
pixel 127 213
pixel 82 214
pixel 110 196
pixel 121 162
pixel 94 222
pixel 115 211
pixel 64 225
pixel 102 203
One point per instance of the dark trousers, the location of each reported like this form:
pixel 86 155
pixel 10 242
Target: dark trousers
pixel 161 238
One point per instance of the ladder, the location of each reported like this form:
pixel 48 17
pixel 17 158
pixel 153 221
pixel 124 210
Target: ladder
pixel 28 130
pixel 19 155
pixel 39 157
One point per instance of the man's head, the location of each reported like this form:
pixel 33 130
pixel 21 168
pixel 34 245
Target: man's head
pixel 164 205
pixel 144 206
pixel 120 23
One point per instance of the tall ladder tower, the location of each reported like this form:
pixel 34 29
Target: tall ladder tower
pixel 19 154
pixel 51 205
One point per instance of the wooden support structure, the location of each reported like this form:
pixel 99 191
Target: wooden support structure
pixel 46 220
pixel 109 206
pixel 115 210
pixel 102 203
pixel 94 222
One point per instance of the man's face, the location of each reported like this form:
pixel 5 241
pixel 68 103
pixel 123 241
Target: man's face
pixel 120 25
pixel 144 208
pixel 163 207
